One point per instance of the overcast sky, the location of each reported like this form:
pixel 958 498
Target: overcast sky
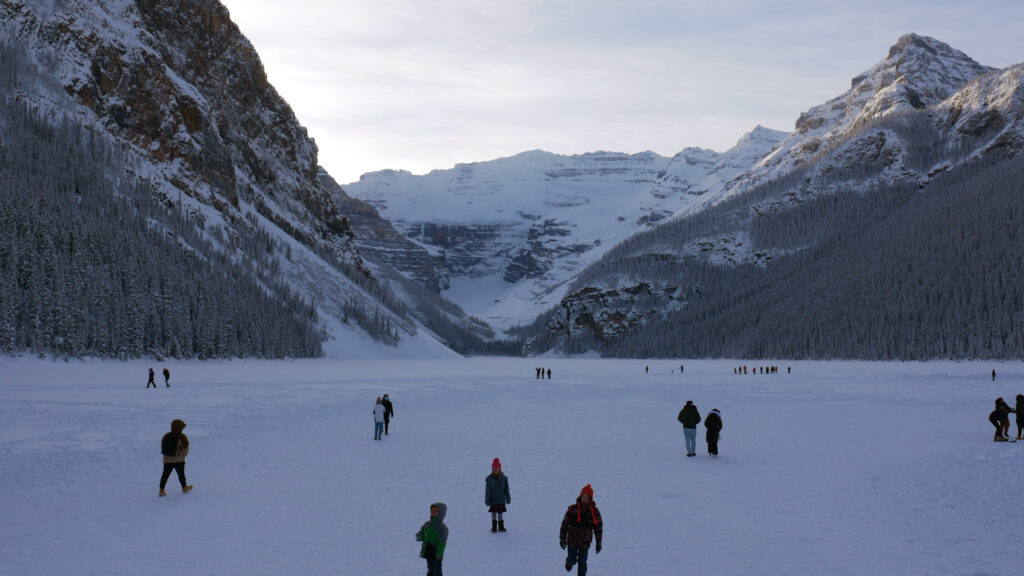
pixel 425 84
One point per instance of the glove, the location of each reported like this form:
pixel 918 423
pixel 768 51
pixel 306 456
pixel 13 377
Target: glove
pixel 562 544
pixel 597 548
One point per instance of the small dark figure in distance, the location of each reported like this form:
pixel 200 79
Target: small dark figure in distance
pixel 434 536
pixel 167 378
pixel 389 412
pixel 549 373
pixel 151 382
pixel 993 374
pixel 713 423
pixel 174 447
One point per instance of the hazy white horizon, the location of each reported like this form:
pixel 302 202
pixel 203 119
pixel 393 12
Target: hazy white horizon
pixel 420 86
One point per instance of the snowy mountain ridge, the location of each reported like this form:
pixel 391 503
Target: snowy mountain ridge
pixel 178 88
pixel 509 233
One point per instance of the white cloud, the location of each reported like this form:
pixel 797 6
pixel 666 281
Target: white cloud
pixel 419 85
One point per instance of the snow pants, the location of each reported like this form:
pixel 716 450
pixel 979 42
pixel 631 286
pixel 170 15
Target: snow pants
pixel 578 556
pixel 179 468
pixel 433 566
pixel 691 440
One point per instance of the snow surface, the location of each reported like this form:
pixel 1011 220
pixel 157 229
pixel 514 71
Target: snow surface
pixel 838 468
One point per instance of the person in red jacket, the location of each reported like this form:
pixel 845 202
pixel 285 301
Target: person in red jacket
pixel 581 524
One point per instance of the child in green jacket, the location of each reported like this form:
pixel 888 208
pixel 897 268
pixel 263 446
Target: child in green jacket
pixel 434 535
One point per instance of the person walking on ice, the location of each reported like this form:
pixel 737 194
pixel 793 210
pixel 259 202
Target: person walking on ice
pixel 378 419
pixel 434 536
pixel 174 447
pixel 389 412
pixel 581 524
pixel 496 496
pixel 714 425
pixel 167 378
pixel 151 382
pixel 689 417
pixel 1000 418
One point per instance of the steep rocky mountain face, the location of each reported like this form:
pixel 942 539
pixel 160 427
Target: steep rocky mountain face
pixel 182 95
pixel 506 236
pixel 881 228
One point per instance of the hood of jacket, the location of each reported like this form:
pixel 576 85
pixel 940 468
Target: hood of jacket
pixel 442 510
pixel 177 426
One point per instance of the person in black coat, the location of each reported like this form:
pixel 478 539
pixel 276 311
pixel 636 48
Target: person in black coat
pixel 1000 418
pixel 151 382
pixel 713 423
pixel 689 417
pixel 389 412
pixel 1019 409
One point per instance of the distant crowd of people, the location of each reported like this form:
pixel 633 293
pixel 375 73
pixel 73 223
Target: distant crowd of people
pixel 541 372
pixel 760 369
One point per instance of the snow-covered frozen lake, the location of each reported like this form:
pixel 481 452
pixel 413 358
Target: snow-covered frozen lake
pixel 840 468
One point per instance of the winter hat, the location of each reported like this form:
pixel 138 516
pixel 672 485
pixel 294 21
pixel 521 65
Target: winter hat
pixel 588 490
pixel 177 425
pixel 715 410
pixel 689 402
pixel 496 464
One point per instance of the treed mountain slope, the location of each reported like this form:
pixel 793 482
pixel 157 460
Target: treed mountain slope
pixel 897 238
pixel 180 95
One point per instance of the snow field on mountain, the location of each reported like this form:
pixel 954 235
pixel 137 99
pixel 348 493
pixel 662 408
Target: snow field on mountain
pixel 838 468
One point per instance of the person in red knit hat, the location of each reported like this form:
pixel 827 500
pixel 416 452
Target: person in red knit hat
pixel 581 524
pixel 496 495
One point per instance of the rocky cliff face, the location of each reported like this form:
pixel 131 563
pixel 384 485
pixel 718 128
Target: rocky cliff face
pixel 507 235
pixel 183 92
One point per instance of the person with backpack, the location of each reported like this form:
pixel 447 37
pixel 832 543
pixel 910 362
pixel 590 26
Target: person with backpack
pixel 713 423
pixel 389 412
pixel 174 447
pixel 378 419
pixel 167 378
pixel 151 382
pixel 689 417
pixel 434 536
pixel 496 496
pixel 581 524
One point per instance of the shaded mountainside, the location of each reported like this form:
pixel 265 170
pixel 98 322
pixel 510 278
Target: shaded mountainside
pixel 899 239
pixel 181 95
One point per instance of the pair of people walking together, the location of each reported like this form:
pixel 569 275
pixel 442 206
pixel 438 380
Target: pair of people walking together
pixel 689 417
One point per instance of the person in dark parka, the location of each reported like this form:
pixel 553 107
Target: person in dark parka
pixel 713 423
pixel 151 382
pixel 497 496
pixel 689 417
pixel 389 412
pixel 1019 409
pixel 581 524
pixel 1000 418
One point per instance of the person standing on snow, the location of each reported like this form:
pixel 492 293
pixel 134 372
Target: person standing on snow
pixel 378 419
pixel 581 524
pixel 689 417
pixel 496 496
pixel 389 412
pixel 434 536
pixel 714 425
pixel 151 382
pixel 1019 409
pixel 167 378
pixel 174 447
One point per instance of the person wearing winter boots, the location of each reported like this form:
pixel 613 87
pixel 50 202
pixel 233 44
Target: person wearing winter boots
pixel 434 536
pixel 581 524
pixel 496 495
pixel 389 412
pixel 151 382
pixel 378 419
pixel 174 447
pixel 689 417
pixel 714 425
pixel 1019 409
pixel 167 378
